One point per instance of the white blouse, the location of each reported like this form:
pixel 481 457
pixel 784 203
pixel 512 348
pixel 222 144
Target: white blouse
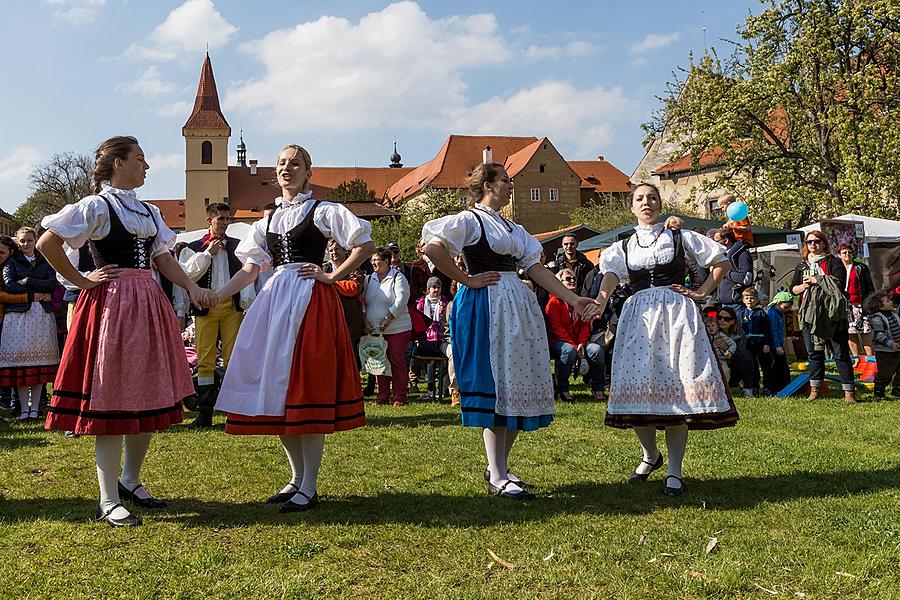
pixel 503 236
pixel 335 221
pixel 388 296
pixel 661 250
pixel 88 219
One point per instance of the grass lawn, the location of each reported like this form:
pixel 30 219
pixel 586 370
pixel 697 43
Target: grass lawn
pixel 802 498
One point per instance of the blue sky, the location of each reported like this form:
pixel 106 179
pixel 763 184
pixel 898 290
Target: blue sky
pixel 340 78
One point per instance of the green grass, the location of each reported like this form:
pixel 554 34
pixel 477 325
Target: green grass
pixel 802 497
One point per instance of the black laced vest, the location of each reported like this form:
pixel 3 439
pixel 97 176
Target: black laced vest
pixel 480 258
pixel 120 246
pixel 302 244
pixel 659 275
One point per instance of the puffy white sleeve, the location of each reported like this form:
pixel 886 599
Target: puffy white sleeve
pixel 79 222
pixel 612 260
pixel 703 250
pixel 453 231
pixel 338 223
pixel 253 249
pixel 165 237
pixel 533 250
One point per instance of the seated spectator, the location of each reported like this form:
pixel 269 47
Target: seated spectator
pixel 569 343
pixel 434 306
pixel 741 362
pixel 723 346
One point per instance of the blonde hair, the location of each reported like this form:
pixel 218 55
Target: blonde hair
pixel 562 272
pixel 30 230
pixel 105 156
pixel 481 174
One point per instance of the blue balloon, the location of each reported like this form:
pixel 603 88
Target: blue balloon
pixel 737 211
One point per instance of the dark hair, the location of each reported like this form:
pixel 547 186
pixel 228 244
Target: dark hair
pixel 383 253
pixel 817 234
pixel 872 303
pixel 640 185
pixel 481 174
pixel 11 245
pixel 569 235
pixel 119 147
pixel 215 208
pixel 734 320
pixel 728 234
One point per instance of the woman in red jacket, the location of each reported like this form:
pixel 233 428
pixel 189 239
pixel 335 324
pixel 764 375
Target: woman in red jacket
pixel 569 343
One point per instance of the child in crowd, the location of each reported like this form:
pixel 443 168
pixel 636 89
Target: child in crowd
pixel 434 306
pixel 886 337
pixel 755 323
pixel 741 229
pixel 723 346
pixel 779 374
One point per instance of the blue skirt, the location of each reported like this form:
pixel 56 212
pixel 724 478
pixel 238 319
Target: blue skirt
pixel 470 340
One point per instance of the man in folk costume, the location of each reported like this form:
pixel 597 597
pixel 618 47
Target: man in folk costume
pixel 210 261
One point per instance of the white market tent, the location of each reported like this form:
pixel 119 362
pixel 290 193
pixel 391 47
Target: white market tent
pixel 235 230
pixel 878 231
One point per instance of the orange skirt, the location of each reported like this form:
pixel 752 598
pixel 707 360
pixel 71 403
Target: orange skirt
pixel 324 393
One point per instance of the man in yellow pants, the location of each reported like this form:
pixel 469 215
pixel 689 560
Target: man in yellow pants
pixel 210 261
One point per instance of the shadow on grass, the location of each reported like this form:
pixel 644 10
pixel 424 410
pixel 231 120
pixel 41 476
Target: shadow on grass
pixel 441 510
pixel 14 443
pixel 429 420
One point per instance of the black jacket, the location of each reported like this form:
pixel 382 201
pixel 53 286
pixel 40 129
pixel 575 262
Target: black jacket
pixel 736 280
pixel 39 277
pixel 582 267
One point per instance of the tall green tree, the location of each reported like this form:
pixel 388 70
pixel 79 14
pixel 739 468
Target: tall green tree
pixel 805 111
pixel 63 179
pixel 354 190
pixel 407 230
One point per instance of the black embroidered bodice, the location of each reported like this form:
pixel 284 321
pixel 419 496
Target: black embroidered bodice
pixel 671 273
pixel 480 258
pixel 120 246
pixel 302 244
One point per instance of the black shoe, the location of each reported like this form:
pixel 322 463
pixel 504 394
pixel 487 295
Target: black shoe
pixel 493 490
pixel 206 402
pixel 129 521
pixel 289 507
pixel 636 477
pixel 282 497
pixel 670 491
pixel 127 494
pixel 518 482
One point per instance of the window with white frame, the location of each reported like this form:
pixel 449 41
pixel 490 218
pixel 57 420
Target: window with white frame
pixel 554 195
pixel 535 194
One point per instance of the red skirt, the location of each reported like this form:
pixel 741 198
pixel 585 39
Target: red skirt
pixel 143 350
pixel 324 393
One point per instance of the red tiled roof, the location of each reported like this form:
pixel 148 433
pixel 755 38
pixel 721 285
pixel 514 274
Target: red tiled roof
pixel 456 157
pixel 378 179
pixel 207 113
pixel 172 212
pixel 247 194
pixel 516 161
pixel 600 175
pixel 559 232
pixel 686 163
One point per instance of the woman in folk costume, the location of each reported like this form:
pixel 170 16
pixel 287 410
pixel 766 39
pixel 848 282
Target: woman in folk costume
pixel 664 372
pixel 293 372
pixel 122 372
pixel 498 336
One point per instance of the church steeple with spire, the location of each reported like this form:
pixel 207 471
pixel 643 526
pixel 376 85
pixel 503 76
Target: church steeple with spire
pixel 242 151
pixel 206 134
pixel 395 158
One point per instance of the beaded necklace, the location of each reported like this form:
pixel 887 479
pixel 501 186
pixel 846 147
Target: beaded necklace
pixel 131 210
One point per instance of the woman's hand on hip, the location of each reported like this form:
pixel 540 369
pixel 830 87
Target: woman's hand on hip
pixel 692 294
pixel 311 271
pixel 101 275
pixel 482 279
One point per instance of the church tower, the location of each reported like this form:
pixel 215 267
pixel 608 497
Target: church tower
pixel 206 134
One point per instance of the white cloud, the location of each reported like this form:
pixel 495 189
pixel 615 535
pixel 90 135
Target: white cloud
pixel 655 41
pixel 74 12
pixel 18 164
pixel 572 49
pixel 193 26
pixel 396 66
pixel 181 109
pixel 148 84
pixel 166 162
pixel 578 119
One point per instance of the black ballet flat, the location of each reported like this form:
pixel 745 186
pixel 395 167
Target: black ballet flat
pixel 520 483
pixel 127 494
pixel 129 521
pixel 289 507
pixel 670 491
pixel 493 490
pixel 282 497
pixel 636 477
